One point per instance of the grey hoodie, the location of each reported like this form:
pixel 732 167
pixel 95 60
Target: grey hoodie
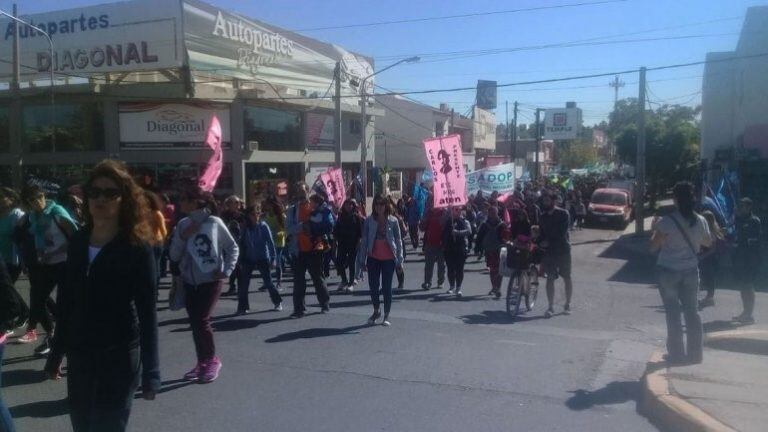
pixel 211 249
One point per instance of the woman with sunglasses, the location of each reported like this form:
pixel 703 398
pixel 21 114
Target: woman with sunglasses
pixel 107 324
pixel 206 254
pixel 381 252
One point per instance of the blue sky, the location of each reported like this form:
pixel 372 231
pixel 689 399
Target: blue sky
pixel 715 23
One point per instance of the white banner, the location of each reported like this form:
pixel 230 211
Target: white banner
pixel 562 123
pixel 170 126
pixel 484 129
pixel 499 178
pixel 114 37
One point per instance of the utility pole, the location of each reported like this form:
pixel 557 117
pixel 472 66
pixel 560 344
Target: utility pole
pixel 538 144
pixel 506 127
pixel 513 147
pixel 450 128
pixel 337 114
pixel 616 84
pixel 640 164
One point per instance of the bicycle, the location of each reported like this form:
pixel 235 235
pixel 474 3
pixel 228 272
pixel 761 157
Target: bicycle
pixel 523 278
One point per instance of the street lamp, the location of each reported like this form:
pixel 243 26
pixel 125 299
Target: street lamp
pixel 50 48
pixel 364 112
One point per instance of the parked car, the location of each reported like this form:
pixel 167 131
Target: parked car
pixel 609 206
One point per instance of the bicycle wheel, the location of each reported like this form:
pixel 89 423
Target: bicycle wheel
pixel 514 294
pixel 533 288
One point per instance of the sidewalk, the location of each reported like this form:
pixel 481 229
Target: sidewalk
pixel 727 392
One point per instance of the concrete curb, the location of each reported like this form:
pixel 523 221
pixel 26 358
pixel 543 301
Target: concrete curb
pixel 668 411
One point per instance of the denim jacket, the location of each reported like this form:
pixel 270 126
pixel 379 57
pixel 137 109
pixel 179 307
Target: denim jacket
pixel 394 239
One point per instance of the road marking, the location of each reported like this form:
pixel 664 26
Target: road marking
pixel 515 342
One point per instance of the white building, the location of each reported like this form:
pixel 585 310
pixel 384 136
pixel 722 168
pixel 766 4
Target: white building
pixel 735 95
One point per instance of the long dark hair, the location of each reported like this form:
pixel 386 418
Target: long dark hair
pixel 201 199
pixel 387 206
pixel 344 212
pixel 134 215
pixel 685 200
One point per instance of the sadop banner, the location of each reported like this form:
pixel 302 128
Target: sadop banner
pixel 447 163
pixel 499 178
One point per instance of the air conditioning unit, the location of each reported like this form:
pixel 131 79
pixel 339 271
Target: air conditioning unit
pixel 252 146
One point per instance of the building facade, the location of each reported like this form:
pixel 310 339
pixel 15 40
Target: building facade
pixel 141 80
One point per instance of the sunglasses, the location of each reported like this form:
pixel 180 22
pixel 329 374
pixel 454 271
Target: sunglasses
pixel 108 193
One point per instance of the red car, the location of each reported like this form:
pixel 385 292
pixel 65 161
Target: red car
pixel 610 207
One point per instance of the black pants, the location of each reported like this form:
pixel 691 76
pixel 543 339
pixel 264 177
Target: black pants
pixel 346 261
pixel 101 385
pixel 43 278
pixel 312 262
pixel 413 231
pixel 454 263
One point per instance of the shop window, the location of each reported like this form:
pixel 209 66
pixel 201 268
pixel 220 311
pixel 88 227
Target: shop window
pixel 273 129
pixel 78 127
pixel 5 139
pixel 355 127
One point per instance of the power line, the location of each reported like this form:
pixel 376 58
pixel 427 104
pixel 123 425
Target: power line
pixel 467 15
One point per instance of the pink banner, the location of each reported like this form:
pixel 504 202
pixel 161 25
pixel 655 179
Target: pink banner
pixel 212 171
pixel 447 163
pixel 336 188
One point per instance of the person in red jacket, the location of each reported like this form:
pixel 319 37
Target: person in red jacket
pixel 433 226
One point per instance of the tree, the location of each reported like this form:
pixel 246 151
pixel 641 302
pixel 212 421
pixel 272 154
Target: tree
pixel 577 154
pixel 672 142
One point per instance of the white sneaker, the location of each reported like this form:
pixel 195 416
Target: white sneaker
pixel 450 290
pixel 459 294
pixel 278 307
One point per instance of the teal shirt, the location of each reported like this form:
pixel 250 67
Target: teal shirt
pixel 8 249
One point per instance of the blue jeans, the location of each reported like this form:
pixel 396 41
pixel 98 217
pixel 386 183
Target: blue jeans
pixel 380 275
pixel 279 264
pixel 246 269
pixel 6 422
pixel 679 290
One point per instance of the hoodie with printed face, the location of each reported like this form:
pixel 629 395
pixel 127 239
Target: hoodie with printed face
pixel 206 252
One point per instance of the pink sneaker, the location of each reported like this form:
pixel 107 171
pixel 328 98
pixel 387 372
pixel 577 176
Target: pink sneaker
pixel 29 337
pixel 210 371
pixel 194 374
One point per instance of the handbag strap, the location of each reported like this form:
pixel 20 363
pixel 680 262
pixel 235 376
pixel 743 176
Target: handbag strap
pixel 685 234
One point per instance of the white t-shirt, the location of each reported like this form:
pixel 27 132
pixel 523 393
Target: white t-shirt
pixel 675 253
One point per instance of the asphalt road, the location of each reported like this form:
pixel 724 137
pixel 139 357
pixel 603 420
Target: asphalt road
pixel 444 364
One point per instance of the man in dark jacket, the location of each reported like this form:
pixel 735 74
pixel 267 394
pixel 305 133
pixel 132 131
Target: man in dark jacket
pixel 747 258
pixel 554 240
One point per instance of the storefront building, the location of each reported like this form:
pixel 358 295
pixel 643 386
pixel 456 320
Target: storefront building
pixel 141 80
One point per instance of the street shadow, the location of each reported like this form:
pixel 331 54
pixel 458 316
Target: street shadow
pixel 499 317
pixel 167 386
pixel 316 333
pixel 22 377
pixel 616 392
pixel 23 359
pixel 185 320
pixel 740 345
pixel 586 242
pixel 243 324
pixel 720 325
pixel 40 409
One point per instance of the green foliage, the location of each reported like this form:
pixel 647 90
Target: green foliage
pixel 577 154
pixel 672 141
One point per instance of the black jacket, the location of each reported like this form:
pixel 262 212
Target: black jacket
pixel 109 304
pixel 348 230
pixel 13 310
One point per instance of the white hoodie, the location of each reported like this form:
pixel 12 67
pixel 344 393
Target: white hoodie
pixel 208 251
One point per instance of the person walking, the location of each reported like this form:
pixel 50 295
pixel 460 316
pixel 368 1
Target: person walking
pixel 13 311
pixel 159 230
pixel 747 258
pixel 554 223
pixel 456 240
pixel 234 219
pixel 433 226
pixel 50 228
pixel 381 252
pixel 348 231
pixel 206 255
pixel 107 321
pixel 309 222
pixel 679 238
pixel 709 261
pixel 257 252
pixel 274 215
pixel 412 217
pixel 492 235
pixel 10 216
